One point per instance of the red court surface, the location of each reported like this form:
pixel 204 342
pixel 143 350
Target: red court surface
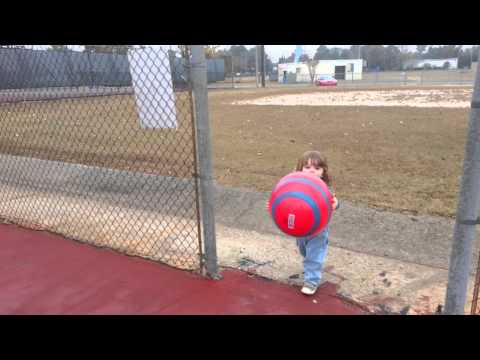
pixel 43 273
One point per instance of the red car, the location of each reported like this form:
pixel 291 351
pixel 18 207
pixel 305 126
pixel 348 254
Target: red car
pixel 326 80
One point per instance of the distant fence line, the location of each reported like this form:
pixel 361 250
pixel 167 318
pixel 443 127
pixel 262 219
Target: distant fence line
pixel 371 78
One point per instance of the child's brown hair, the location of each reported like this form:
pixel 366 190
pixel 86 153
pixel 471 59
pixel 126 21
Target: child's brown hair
pixel 316 160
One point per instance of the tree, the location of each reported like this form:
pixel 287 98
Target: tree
pixel 13 46
pixel 268 64
pixel 385 57
pixel 465 59
pixel 475 53
pixel 322 53
pixel 421 49
pixel 238 50
pixel 339 53
pixel 251 59
pixel 312 69
pixel 355 51
pixel 291 58
pixel 311 66
pixel 375 56
pixel 108 49
pixel 393 59
pixel 240 56
pixel 58 47
pixel 405 54
pixel 346 54
pixel 211 51
pixel 443 52
pixel 304 58
pixel 184 51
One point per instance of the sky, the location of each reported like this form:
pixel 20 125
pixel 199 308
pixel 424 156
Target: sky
pixel 277 51
pixel 273 51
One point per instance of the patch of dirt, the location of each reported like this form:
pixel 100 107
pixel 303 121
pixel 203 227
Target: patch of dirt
pixel 431 98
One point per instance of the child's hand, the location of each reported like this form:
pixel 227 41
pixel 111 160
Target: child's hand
pixel 267 205
pixel 334 202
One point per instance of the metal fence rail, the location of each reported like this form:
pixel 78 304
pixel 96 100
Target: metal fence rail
pixel 105 157
pixel 476 290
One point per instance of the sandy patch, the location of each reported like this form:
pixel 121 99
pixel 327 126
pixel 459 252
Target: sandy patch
pixel 446 98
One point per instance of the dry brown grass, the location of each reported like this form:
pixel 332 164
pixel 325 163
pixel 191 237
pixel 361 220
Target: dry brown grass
pixel 103 131
pixel 398 158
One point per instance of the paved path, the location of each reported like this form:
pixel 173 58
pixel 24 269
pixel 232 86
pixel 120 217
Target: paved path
pixel 43 273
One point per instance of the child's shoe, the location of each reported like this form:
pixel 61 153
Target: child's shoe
pixel 309 289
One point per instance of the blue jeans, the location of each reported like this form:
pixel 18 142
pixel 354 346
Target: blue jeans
pixel 314 251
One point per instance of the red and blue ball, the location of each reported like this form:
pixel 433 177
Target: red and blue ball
pixel 301 204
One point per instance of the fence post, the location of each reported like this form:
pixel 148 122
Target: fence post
pixel 262 64
pixel 205 167
pixel 467 213
pixel 91 70
pixel 233 75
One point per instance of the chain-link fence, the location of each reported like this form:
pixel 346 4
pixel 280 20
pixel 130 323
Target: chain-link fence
pixel 101 148
pixel 387 78
pixel 416 77
pixel 432 77
pixel 239 72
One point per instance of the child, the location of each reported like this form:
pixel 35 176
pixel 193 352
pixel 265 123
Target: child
pixel 314 249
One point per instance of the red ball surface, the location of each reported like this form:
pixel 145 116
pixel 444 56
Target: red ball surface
pixel 301 204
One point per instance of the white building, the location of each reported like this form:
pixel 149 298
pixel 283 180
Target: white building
pixel 451 63
pixel 341 69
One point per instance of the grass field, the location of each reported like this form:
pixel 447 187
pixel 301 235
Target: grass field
pixel 103 131
pixel 399 158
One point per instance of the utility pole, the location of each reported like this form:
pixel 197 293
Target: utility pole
pixel 262 63
pixel 467 213
pixel 256 64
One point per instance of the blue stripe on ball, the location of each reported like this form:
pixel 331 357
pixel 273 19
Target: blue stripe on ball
pixel 308 182
pixel 308 200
